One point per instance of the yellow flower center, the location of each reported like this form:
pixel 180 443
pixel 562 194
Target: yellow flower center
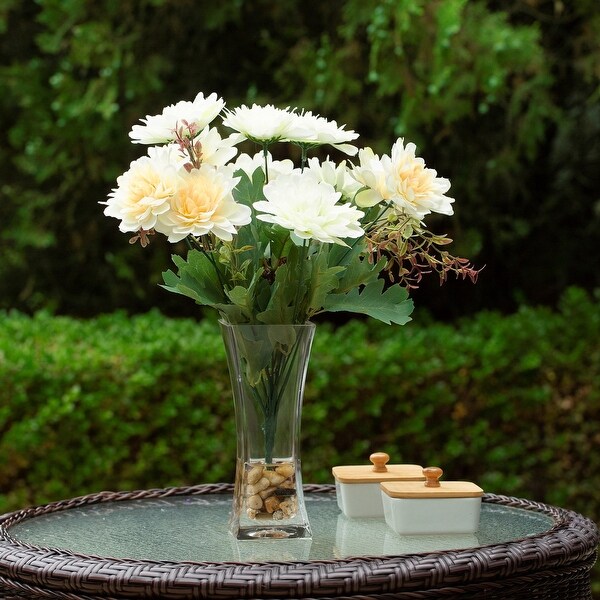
pixel 198 198
pixel 413 181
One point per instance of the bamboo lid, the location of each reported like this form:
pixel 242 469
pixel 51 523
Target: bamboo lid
pixel 432 487
pixel 378 471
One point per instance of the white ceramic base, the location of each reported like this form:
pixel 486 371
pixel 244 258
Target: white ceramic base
pixel 359 499
pixel 410 516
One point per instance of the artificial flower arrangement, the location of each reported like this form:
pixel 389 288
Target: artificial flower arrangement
pixel 270 242
pixel 270 245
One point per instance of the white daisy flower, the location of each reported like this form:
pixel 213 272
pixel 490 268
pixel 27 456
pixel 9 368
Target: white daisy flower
pixel 217 151
pixel 314 130
pixel 336 175
pixel 309 208
pixel 249 164
pixel 370 174
pixel 160 129
pixel 262 124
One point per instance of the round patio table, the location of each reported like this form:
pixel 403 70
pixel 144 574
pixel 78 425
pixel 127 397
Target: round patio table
pixel 173 543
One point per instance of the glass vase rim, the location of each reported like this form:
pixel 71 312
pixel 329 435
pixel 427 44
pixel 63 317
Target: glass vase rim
pixel 307 324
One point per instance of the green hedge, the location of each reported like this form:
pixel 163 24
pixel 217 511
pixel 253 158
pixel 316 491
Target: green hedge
pixel 125 402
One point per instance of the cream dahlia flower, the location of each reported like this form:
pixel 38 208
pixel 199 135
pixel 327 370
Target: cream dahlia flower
pixel 314 130
pixel 404 181
pixel 143 192
pixel 159 129
pixel 260 123
pixel 309 208
pixel 203 203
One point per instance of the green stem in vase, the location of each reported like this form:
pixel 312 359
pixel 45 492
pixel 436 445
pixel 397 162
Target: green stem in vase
pixel 269 391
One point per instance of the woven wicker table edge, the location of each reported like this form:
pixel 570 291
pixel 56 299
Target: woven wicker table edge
pixel 568 545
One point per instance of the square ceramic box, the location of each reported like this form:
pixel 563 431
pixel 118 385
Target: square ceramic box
pixel 432 507
pixel 357 487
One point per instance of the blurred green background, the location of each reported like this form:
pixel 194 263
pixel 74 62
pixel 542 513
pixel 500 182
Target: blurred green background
pixel 498 381
pixel 505 103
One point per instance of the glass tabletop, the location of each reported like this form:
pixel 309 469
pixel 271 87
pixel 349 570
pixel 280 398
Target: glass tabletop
pixel 194 528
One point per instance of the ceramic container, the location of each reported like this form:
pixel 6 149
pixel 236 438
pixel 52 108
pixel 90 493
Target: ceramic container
pixel 357 486
pixel 431 507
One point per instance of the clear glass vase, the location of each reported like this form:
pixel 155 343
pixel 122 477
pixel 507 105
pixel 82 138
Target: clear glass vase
pixel 267 366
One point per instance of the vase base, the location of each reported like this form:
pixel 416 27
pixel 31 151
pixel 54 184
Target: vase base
pixel 285 532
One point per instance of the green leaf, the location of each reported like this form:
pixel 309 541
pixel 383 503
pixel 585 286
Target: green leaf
pixel 197 278
pixel 359 271
pixel 231 312
pixel 391 306
pixel 248 191
pixel 241 297
pixel 324 280
pixel 280 308
pixel 280 242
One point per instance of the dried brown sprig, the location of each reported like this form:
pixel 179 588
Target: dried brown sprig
pixel 411 251
pixel 184 135
pixel 142 236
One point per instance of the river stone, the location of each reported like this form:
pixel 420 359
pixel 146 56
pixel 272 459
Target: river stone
pixel 255 474
pixel 259 486
pixel 268 492
pixel 285 470
pixel 273 477
pixel 255 502
pixel 271 504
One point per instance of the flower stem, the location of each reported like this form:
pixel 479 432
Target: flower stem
pixel 266 154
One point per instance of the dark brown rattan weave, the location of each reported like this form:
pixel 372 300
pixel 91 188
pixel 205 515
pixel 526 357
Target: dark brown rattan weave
pixel 553 565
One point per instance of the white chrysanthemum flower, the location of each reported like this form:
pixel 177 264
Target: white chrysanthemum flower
pixel 204 204
pixel 260 123
pixel 170 154
pixel 402 180
pixel 249 164
pixel 336 175
pixel 160 129
pixel 416 190
pixel 309 208
pixel 370 174
pixel 217 151
pixel 314 130
pixel 143 192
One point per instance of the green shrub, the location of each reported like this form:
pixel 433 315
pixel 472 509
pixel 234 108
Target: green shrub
pixel 125 402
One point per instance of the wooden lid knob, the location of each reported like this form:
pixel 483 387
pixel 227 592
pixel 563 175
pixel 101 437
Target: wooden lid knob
pixel 432 475
pixel 379 460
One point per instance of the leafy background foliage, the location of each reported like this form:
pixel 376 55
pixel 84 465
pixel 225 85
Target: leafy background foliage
pixel 501 97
